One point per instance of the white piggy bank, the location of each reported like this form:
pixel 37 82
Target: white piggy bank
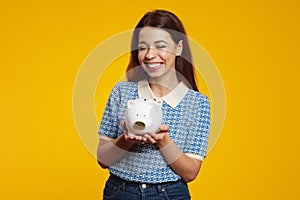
pixel 142 116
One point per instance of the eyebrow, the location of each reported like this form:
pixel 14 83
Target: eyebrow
pixel 158 41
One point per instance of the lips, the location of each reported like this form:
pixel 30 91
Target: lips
pixel 154 66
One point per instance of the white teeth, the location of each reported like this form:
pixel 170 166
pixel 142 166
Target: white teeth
pixel 153 65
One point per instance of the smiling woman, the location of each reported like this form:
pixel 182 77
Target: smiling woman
pixel 157 54
pixel 156 164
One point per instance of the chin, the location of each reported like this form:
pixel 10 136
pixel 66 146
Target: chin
pixel 155 75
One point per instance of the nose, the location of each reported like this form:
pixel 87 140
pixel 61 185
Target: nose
pixel 151 53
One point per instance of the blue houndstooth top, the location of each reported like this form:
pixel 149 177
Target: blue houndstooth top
pixel 187 112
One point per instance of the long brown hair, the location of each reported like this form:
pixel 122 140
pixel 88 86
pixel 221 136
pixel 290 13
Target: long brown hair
pixel 173 25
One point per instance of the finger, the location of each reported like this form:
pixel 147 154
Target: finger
pixel 140 138
pixel 130 137
pixel 147 136
pixel 156 136
pixel 123 125
pixel 163 128
pixel 152 135
pixel 150 139
pixel 144 138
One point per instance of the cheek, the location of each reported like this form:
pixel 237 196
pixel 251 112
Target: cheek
pixel 167 54
pixel 168 57
pixel 141 56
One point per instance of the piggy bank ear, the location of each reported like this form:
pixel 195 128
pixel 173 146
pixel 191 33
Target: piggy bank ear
pixel 130 104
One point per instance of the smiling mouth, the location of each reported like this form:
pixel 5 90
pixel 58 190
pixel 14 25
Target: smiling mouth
pixel 154 66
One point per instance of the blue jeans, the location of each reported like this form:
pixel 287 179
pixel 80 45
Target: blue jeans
pixel 119 189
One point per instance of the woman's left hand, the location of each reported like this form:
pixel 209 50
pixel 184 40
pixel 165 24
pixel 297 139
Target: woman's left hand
pixel 160 135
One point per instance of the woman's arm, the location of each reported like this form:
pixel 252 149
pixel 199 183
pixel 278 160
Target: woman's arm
pixel 186 167
pixel 109 152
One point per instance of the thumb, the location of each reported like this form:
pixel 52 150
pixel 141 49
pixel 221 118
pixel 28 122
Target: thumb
pixel 163 128
pixel 123 124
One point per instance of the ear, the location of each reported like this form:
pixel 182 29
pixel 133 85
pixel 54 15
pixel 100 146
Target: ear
pixel 130 104
pixel 179 48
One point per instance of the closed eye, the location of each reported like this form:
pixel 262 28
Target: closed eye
pixel 161 46
pixel 142 48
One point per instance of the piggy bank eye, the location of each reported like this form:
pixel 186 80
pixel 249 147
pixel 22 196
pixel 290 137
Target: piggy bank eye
pixel 137 114
pixel 144 115
pixel 154 99
pixel 145 99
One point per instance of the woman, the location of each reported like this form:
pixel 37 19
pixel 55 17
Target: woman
pixel 157 165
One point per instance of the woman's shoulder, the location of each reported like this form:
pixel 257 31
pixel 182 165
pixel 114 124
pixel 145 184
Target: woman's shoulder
pixel 125 87
pixel 195 95
pixel 197 100
pixel 125 84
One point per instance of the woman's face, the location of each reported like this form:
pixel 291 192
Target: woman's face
pixel 157 51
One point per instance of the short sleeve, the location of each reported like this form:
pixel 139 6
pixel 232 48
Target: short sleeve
pixel 197 140
pixel 109 126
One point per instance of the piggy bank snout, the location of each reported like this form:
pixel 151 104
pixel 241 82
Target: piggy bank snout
pixel 139 125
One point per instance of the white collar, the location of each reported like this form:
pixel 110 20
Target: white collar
pixel 173 98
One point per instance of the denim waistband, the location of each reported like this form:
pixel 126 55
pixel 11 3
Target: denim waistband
pixel 136 184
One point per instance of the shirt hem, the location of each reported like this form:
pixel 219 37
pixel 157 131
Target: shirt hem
pixel 198 157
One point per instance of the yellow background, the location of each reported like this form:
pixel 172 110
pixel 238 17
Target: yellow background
pixel 255 45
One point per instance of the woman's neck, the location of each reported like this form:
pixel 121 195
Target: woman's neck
pixel 162 87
